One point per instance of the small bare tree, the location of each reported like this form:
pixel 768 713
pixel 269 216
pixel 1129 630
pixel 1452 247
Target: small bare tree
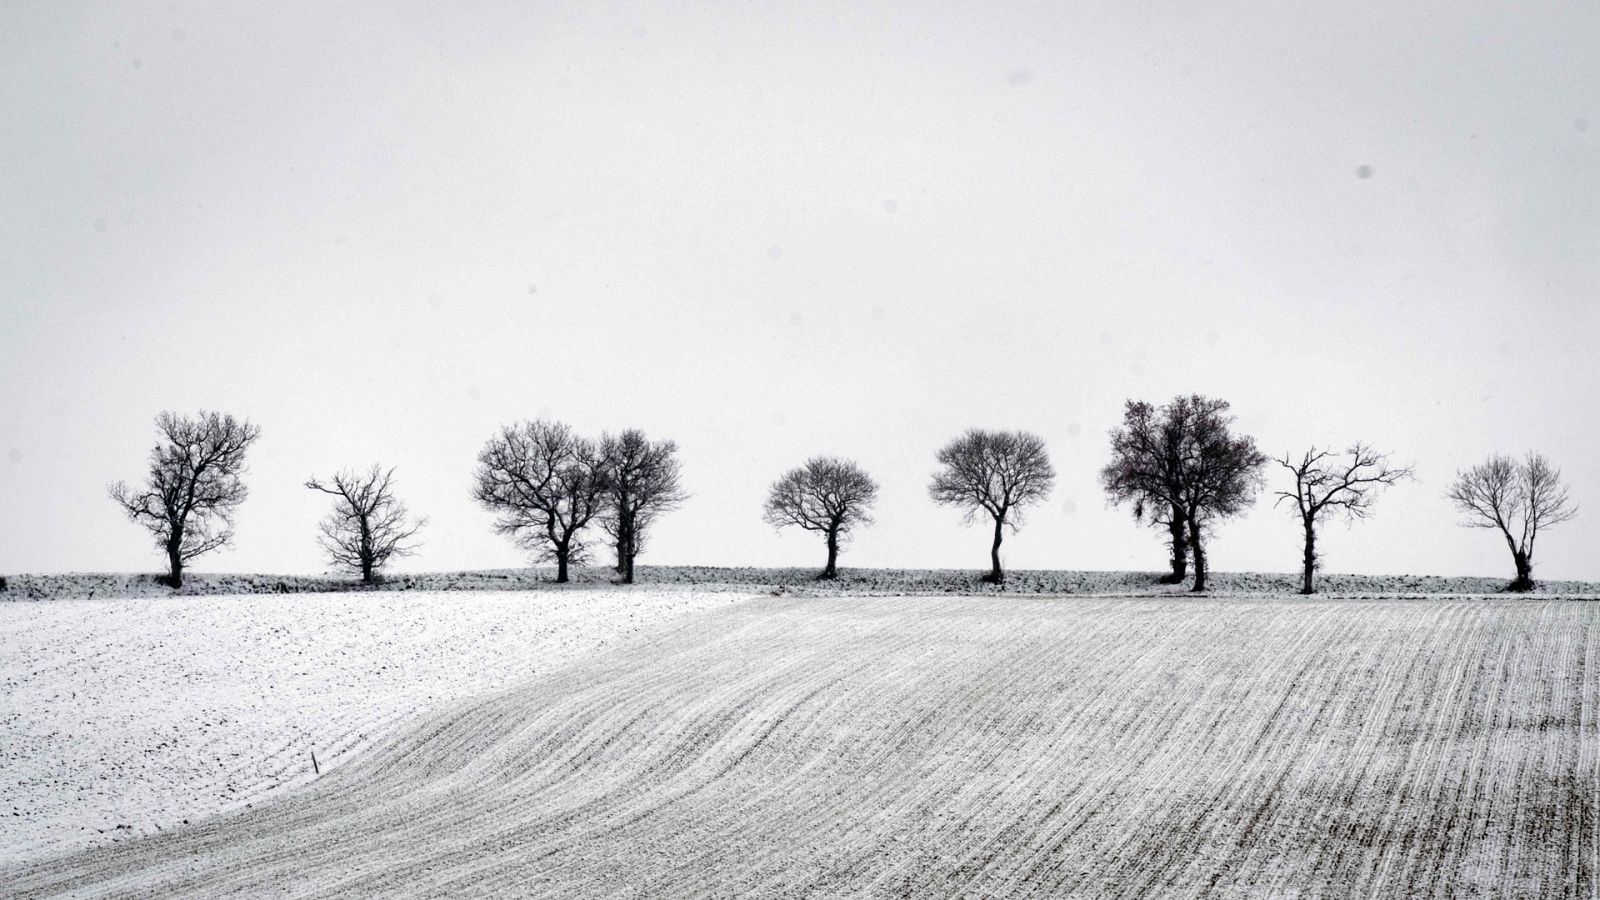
pixel 827 494
pixel 369 525
pixel 641 482
pixel 1325 482
pixel 1516 498
pixel 193 488
pixel 546 484
pixel 997 473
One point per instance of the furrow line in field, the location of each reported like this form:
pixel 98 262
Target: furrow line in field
pixel 967 723
pixel 728 721
pixel 808 741
pixel 1134 732
pixel 1265 681
pixel 1366 768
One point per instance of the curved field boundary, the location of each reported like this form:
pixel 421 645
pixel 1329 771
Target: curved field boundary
pixel 966 747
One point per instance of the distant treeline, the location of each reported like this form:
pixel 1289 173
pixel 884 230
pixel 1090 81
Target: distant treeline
pixel 788 581
pixel 1180 467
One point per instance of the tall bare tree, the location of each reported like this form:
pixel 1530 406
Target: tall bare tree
pixel 641 482
pixel 194 485
pixel 369 525
pixel 993 473
pixel 1326 481
pixel 1146 471
pixel 827 494
pixel 546 484
pixel 1517 499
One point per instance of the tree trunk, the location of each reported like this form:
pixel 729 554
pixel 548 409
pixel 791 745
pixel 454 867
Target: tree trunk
pixel 624 544
pixel 1524 563
pixel 1180 551
pixel 562 552
pixel 175 563
pixel 832 570
pixel 366 551
pixel 1307 583
pixel 996 576
pixel 1199 549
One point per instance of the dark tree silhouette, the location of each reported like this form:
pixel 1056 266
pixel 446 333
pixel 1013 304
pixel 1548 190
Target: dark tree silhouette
pixel 997 473
pixel 1325 482
pixel 193 487
pixel 1516 498
pixel 369 525
pixel 640 477
pixel 827 494
pixel 1181 465
pixel 546 484
pixel 1221 471
pixel 1146 471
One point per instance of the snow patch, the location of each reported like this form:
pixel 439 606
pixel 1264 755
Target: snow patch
pixel 141 714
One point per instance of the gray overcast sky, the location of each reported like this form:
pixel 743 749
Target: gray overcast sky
pixel 380 231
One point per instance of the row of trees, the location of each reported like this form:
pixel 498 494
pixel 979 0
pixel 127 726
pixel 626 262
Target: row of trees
pixel 1179 467
pixel 546 483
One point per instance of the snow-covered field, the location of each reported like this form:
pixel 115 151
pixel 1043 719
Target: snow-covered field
pixel 131 715
pixel 940 746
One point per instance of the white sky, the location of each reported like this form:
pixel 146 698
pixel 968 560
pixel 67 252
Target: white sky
pixel 381 231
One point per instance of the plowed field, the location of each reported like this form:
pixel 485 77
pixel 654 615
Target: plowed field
pixel 964 746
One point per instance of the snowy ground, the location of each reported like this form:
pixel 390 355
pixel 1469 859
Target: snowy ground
pixel 129 715
pixel 1020 747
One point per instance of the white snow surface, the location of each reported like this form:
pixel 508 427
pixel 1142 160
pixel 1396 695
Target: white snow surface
pixel 130 715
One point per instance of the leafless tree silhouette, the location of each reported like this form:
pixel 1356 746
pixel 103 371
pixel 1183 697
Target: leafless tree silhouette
pixel 1181 465
pixel 640 478
pixel 193 487
pixel 998 473
pixel 1146 471
pixel 546 484
pixel 827 494
pixel 369 525
pixel 1326 481
pixel 1516 498
pixel 1221 471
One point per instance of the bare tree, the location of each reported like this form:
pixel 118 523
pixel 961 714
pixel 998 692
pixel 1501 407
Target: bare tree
pixel 997 473
pixel 369 525
pixel 1518 499
pixel 1181 466
pixel 641 482
pixel 827 494
pixel 1220 471
pixel 193 487
pixel 1146 471
pixel 1325 482
pixel 546 484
